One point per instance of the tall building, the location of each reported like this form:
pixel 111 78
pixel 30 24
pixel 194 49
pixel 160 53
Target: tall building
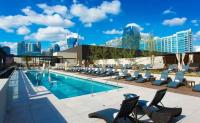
pixel 143 45
pixel 131 37
pixel 180 42
pixel 21 48
pixel 72 42
pixel 28 48
pixel 56 48
pixel 6 49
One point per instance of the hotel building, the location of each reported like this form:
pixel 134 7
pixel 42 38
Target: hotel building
pixel 181 42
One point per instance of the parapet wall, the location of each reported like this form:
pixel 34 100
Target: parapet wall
pixel 158 61
pixel 3 98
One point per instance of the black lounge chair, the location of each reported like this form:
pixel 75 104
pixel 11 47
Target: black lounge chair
pixel 146 77
pixel 144 107
pixel 134 76
pixel 118 116
pixel 164 79
pixel 178 80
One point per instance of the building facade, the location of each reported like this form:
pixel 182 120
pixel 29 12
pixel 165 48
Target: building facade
pixel 72 42
pixel 28 48
pixel 131 37
pixel 21 48
pixel 6 49
pixel 56 48
pixel 180 42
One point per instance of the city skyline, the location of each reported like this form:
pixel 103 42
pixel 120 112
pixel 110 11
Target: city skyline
pixel 27 20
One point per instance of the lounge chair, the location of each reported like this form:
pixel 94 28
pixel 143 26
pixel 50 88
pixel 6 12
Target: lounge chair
pixel 146 67
pixel 178 80
pixel 101 72
pixel 122 74
pixel 164 79
pixel 108 72
pixel 172 67
pixel 135 75
pixel 156 105
pixel 196 88
pixel 185 68
pixel 146 77
pixel 118 116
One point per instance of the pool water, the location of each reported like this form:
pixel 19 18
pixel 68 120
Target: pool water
pixel 63 86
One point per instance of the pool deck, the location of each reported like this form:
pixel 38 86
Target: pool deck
pixel 30 104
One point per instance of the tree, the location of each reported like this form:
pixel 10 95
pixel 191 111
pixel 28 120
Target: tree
pixel 114 54
pixel 94 53
pixel 104 53
pixel 151 48
pixel 27 59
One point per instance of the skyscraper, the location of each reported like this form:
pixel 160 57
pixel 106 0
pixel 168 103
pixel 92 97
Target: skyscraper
pixel 180 42
pixel 72 42
pixel 56 48
pixel 28 48
pixel 131 37
pixel 6 49
pixel 21 48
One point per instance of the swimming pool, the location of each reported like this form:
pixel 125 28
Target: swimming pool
pixel 63 86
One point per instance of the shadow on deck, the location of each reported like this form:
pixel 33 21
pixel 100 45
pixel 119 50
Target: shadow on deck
pixel 22 108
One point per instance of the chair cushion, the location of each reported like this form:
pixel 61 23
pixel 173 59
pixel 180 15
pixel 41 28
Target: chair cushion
pixel 196 88
pixel 173 84
pixel 157 82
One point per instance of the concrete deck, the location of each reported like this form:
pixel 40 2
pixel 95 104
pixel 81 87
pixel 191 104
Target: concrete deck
pixel 30 104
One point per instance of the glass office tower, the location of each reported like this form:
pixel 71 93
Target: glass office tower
pixel 131 37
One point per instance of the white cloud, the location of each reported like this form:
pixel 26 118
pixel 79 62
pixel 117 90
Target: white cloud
pixel 12 45
pixel 144 36
pixel 74 1
pixel 113 32
pixel 196 48
pixel 195 22
pixel 93 44
pixel 63 44
pixel 135 25
pixel 175 21
pixel 51 34
pixel 47 20
pixel 7 23
pixel 23 30
pixel 196 36
pixel 168 11
pixel 90 15
pixel 117 42
pixel 12 22
pixel 59 9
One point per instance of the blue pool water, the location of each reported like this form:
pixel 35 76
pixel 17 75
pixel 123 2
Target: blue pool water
pixel 67 86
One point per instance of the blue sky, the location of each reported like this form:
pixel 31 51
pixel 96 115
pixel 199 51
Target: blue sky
pixel 96 21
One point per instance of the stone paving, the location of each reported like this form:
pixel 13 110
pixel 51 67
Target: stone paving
pixel 28 104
